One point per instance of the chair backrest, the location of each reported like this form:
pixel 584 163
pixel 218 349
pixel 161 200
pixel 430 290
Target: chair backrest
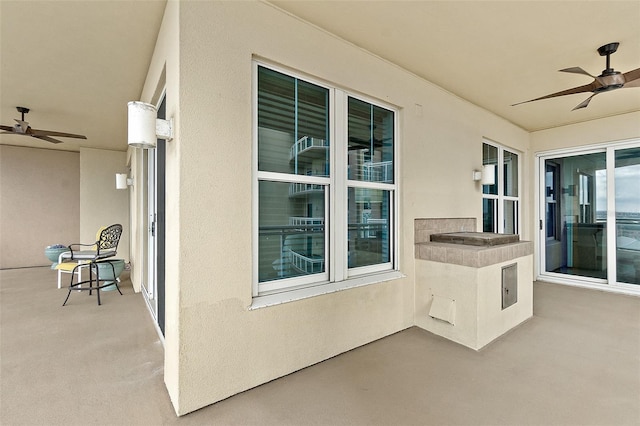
pixel 109 238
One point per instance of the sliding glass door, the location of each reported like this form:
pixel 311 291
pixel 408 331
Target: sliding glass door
pixel 590 216
pixel 627 205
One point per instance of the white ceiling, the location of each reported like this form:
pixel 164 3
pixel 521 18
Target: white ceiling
pixel 77 63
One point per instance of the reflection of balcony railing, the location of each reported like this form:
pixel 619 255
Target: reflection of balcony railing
pixel 304 188
pixel 308 264
pixel 370 229
pixel 307 145
pixel 293 241
pixel 306 220
pixel 372 172
pixel 286 230
pixel 628 229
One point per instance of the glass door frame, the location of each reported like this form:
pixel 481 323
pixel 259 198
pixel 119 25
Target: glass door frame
pixel 153 284
pixel 610 283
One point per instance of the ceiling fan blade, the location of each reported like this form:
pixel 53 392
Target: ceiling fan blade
pixel 37 132
pixel 632 78
pixel 584 103
pixel 577 70
pixel 22 128
pixel 580 89
pixel 47 138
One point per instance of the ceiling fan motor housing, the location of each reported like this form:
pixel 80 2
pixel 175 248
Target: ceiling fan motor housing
pixel 611 81
pixel 18 128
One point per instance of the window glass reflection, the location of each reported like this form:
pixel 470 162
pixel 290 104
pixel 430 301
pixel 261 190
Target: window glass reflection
pixel 293 123
pixel 510 167
pixel 576 215
pixel 627 176
pixel 371 135
pixel 369 226
pixel 291 230
pixel 490 157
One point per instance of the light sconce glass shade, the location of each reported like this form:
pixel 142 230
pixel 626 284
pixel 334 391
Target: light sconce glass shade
pixel 122 181
pixel 142 125
pixel 488 175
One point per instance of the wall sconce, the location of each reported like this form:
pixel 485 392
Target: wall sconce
pixel 144 126
pixel 487 176
pixel 122 181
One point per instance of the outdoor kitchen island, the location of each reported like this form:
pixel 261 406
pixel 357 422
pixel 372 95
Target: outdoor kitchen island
pixel 471 287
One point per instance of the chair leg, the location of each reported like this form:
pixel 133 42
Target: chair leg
pixel 68 294
pixel 97 284
pixel 91 287
pixel 70 284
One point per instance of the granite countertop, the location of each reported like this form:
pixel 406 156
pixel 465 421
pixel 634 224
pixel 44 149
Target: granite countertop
pixel 475 238
pixel 470 255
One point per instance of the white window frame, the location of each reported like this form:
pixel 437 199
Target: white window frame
pixel 500 197
pixel 337 275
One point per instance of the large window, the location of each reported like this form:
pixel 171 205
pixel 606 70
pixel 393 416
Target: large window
pixel 325 167
pixel 501 200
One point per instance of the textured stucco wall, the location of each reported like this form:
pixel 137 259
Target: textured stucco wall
pixel 477 292
pixel 101 204
pixel 610 129
pixel 39 203
pixel 215 346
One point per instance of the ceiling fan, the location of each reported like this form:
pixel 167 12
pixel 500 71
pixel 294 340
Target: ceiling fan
pixel 605 82
pixel 22 128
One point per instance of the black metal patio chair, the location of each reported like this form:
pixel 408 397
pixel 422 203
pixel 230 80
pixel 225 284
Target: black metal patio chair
pixel 104 248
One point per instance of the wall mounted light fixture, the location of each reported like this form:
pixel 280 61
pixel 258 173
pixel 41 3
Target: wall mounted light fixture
pixel 122 181
pixel 144 127
pixel 487 176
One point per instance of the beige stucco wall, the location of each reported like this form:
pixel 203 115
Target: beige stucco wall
pixel 610 129
pixel 214 345
pixel 225 348
pixel 39 203
pixel 101 204
pixel 477 292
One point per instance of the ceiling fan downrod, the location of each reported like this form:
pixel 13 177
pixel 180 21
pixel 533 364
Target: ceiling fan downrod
pixel 607 50
pixel 23 111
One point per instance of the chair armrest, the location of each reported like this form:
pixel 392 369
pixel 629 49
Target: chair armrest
pixel 85 245
pixel 80 245
pixel 62 256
